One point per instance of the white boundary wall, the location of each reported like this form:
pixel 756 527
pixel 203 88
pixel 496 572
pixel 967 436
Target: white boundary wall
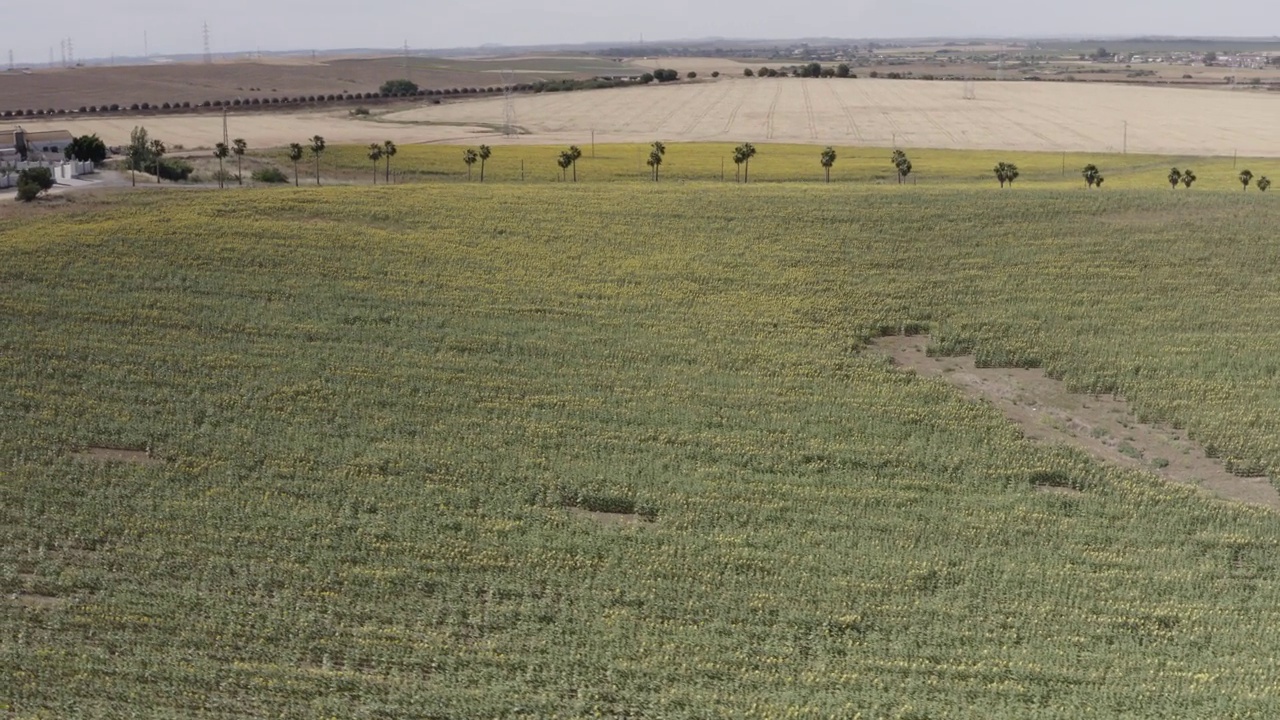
pixel 61 171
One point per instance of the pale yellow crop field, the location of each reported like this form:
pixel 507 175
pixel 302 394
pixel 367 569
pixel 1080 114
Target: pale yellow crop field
pixel 1030 116
pixel 876 112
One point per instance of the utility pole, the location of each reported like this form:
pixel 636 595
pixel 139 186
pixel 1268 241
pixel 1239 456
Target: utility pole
pixel 593 144
pixel 1126 138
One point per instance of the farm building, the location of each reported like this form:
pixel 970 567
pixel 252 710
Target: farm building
pixel 19 141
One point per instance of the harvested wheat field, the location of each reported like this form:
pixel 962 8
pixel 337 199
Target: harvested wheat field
pixel 1020 116
pixel 1028 116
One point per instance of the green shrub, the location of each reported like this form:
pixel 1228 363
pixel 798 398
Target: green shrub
pixel 175 170
pixel 27 190
pixel 41 177
pixel 270 175
pixel 398 87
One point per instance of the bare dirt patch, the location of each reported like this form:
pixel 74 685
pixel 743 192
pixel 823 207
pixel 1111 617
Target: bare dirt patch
pixel 37 601
pixel 606 518
pixel 124 455
pixel 1101 425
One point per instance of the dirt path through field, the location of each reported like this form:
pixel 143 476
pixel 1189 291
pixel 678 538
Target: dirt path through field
pixel 1101 425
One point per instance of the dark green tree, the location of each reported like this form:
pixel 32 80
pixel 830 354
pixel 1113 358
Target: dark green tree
pixel 1264 182
pixel 564 161
pixel 222 152
pixel 1174 177
pixel 828 159
pixel 1188 177
pixel 470 157
pixel 317 149
pixel 1246 177
pixel 399 87
pixel 1091 175
pixel 87 148
pixel 748 151
pixel 295 154
pixel 575 153
pixel 375 155
pixel 238 147
pixel 389 151
pixel 485 153
pixel 654 162
pixel 158 150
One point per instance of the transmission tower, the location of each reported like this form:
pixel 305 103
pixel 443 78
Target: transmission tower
pixel 71 54
pixel 1000 65
pixel 11 67
pixel 208 54
pixel 509 127
pixel 62 51
pixel 406 60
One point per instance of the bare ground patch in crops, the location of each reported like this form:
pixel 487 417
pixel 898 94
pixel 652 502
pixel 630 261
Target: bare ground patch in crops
pixel 607 518
pixel 37 601
pixel 1101 425
pixel 108 454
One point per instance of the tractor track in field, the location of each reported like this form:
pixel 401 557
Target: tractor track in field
pixel 808 109
pixel 1101 425
pixel 773 109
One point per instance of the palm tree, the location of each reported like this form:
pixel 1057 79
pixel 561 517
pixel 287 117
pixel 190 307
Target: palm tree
pixel 295 154
pixel 747 151
pixel 660 148
pixel 158 150
pixel 565 160
pixel 485 153
pixel 1245 178
pixel 574 153
pixel 1006 172
pixel 1188 177
pixel 1091 174
pixel 221 151
pixel 828 159
pixel 739 157
pixel 375 154
pixel 1264 182
pixel 654 161
pixel 238 146
pixel 317 149
pixel 470 157
pixel 389 151
pixel 1175 177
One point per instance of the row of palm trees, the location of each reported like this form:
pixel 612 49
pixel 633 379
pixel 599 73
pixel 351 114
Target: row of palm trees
pixel 377 152
pixel 1005 172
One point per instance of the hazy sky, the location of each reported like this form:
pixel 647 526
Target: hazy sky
pixel 101 28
